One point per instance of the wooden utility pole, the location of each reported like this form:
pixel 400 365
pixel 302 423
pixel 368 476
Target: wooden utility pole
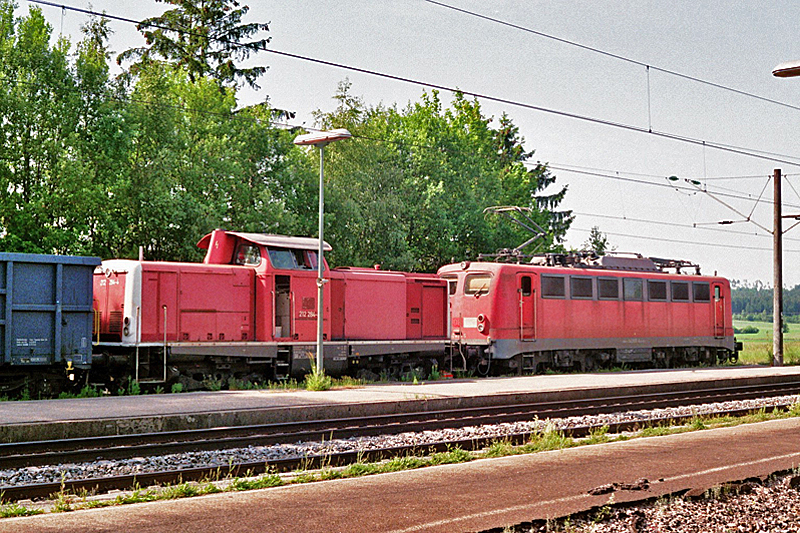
pixel 777 265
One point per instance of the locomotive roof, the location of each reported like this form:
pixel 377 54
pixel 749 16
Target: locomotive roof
pixel 570 269
pixel 268 239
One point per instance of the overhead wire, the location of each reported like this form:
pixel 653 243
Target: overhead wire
pixel 613 55
pixel 655 184
pixel 745 151
pixel 693 243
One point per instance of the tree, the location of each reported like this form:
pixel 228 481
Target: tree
pixel 39 106
pixel 597 242
pixel 410 188
pixel 203 37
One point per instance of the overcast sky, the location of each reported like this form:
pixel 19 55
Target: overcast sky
pixel 732 43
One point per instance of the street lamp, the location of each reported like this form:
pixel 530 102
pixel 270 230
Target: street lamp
pixel 321 139
pixel 789 69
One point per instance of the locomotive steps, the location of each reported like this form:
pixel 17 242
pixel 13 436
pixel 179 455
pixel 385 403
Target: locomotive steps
pixel 129 415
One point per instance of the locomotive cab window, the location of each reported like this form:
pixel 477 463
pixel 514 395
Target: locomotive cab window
pixel 290 259
pixel 477 284
pixel 452 283
pixel 608 288
pixel 553 287
pixel 680 291
pixel 702 291
pixel 657 291
pixel 632 289
pixel 248 255
pixel 580 288
pixel 525 286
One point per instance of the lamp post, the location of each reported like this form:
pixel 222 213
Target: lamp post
pixel 321 139
pixel 789 69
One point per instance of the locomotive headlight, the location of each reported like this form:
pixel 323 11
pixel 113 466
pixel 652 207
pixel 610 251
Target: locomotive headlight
pixel 126 331
pixel 483 323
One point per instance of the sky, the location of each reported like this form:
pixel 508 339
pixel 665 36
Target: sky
pixel 616 176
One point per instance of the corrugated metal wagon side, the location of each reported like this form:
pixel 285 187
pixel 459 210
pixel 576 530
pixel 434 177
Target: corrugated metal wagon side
pixel 46 317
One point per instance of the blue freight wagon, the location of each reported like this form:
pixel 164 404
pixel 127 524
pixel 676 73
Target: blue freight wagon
pixel 46 320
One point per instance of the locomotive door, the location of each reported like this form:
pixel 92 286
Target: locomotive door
pixel 719 312
pixel 282 319
pixel 527 307
pixel 296 307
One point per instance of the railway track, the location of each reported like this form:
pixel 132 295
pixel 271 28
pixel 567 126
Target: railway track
pixel 21 455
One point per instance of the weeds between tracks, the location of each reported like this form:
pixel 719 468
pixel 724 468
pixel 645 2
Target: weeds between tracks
pixel 545 440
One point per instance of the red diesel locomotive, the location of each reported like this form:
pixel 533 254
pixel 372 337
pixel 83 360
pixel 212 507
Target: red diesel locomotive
pixel 562 312
pixel 249 312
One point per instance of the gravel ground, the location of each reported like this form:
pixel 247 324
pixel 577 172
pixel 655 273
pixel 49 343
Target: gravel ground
pixel 772 507
pixel 102 468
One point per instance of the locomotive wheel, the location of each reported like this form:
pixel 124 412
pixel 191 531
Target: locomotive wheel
pixel 591 363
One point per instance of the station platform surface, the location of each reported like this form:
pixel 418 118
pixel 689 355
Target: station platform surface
pixel 70 418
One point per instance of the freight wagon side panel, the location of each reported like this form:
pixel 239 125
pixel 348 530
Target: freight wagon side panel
pixel 46 304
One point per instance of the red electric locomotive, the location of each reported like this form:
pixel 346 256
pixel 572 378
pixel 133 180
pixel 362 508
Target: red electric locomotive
pixel 249 312
pixel 564 312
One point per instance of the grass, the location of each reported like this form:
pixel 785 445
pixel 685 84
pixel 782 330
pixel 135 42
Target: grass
pixel 757 347
pixel 318 381
pixel 14 509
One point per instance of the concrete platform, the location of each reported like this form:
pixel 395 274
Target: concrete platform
pixel 52 419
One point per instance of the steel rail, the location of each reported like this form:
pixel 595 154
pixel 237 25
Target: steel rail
pixel 38 453
pixel 332 460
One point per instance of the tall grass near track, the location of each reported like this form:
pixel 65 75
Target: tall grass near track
pixel 757 347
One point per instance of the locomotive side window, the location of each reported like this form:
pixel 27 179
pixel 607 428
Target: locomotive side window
pixel 553 287
pixel 287 259
pixel 248 255
pixel 657 291
pixel 525 286
pixel 680 291
pixel 477 284
pixel 702 291
pixel 632 289
pixel 608 288
pixel 580 288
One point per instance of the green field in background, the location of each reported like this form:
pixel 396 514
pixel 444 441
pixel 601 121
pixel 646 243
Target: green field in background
pixel 757 347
